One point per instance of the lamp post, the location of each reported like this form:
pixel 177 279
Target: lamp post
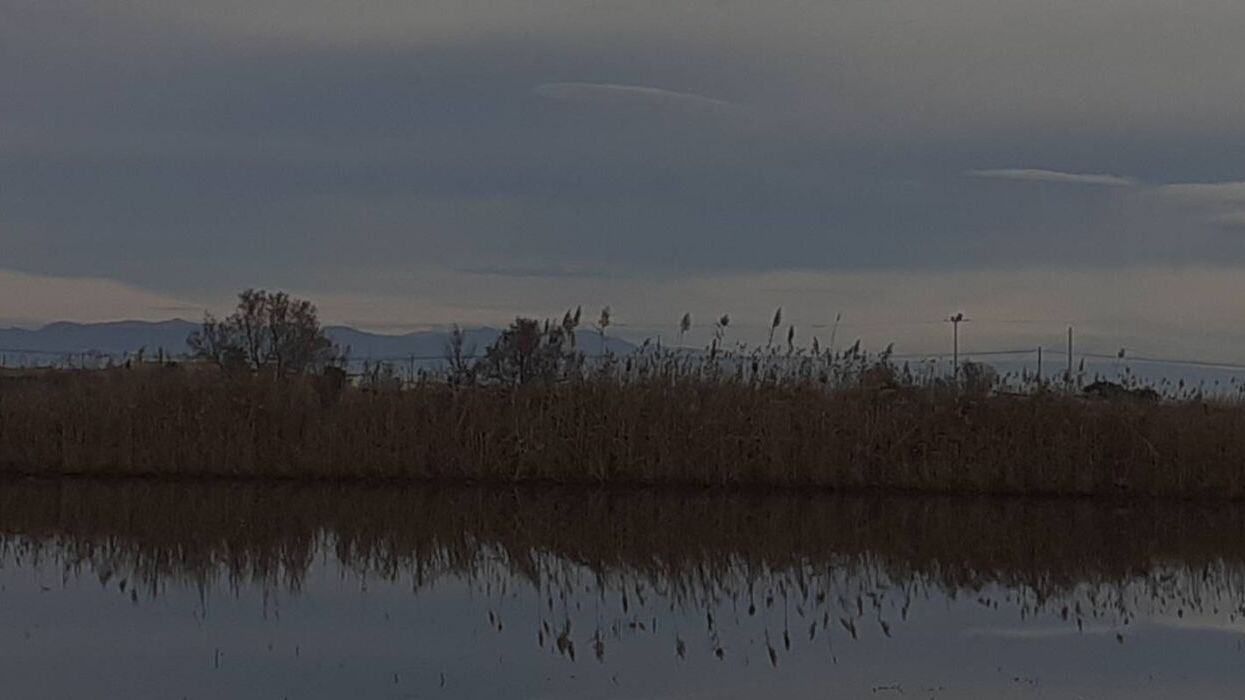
pixel 955 320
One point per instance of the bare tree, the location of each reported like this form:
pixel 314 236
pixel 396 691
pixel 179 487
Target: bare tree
pixel 218 342
pixel 459 358
pixel 267 332
pixel 531 352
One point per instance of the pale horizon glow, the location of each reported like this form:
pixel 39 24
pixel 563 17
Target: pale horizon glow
pixel 1141 310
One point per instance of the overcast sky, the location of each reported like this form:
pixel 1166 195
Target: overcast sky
pixel 413 163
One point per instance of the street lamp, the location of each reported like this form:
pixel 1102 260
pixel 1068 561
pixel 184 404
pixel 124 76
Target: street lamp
pixel 955 320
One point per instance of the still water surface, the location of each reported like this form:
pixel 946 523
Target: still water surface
pixel 143 590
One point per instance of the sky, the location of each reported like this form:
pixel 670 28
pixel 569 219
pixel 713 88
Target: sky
pixel 419 163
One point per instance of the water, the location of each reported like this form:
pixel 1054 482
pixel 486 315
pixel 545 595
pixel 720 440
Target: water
pixel 146 590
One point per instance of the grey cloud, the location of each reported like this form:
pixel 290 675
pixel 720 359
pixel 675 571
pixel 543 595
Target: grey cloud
pixel 1234 220
pixel 181 144
pixel 1225 193
pixel 1219 204
pixel 878 68
pixel 1055 176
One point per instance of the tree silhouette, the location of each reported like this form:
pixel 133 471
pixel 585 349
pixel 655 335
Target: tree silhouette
pixel 531 352
pixel 267 332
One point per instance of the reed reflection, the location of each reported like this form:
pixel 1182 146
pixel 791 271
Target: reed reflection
pixel 770 571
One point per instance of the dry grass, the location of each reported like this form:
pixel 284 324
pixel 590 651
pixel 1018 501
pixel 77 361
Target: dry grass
pixel 702 427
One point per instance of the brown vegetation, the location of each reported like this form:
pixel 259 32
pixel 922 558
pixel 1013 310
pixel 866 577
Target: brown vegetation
pixel 670 421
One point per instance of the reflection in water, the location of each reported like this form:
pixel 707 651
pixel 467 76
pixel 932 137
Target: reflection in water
pixel 622 593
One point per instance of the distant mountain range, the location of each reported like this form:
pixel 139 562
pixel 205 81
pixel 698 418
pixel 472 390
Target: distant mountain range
pixel 20 346
pixel 64 342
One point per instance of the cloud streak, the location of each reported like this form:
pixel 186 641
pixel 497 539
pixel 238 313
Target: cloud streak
pixel 1218 204
pixel 543 272
pixel 613 94
pixel 1221 204
pixel 1225 193
pixel 1053 176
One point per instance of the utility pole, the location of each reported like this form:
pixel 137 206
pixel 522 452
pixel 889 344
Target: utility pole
pixel 1068 378
pixel 955 321
pixel 1039 372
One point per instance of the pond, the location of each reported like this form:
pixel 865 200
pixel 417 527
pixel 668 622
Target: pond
pixel 254 590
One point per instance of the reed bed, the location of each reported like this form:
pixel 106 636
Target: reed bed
pixel 699 423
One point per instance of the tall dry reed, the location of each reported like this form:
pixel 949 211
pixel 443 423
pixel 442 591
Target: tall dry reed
pixel 701 427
